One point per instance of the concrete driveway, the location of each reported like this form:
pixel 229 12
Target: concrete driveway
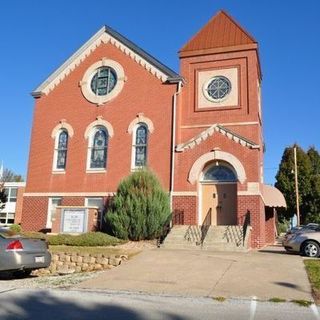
pixel 263 274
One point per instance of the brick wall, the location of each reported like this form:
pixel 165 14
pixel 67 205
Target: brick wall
pixel 257 218
pixel 73 201
pixel 187 208
pixel 34 216
pixel 142 93
pixel 19 205
pixel 270 226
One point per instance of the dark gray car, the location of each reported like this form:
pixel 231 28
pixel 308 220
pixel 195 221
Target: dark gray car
pixel 20 255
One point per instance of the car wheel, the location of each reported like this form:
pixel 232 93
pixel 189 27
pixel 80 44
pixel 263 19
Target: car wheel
pixel 22 273
pixel 311 249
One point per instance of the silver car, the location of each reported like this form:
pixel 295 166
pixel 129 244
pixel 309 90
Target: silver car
pixel 305 241
pixel 20 255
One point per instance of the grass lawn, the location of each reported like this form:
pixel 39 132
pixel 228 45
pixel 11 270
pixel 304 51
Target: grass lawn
pixel 313 271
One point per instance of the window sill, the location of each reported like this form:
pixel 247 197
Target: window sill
pixel 58 172
pixel 96 171
pixel 133 169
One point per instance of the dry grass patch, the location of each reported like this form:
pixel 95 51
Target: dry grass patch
pixel 95 250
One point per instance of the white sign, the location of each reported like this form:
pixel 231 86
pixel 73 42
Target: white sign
pixel 74 220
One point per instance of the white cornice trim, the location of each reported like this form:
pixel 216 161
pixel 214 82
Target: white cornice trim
pixel 228 124
pixel 204 135
pixel 101 37
pixel 15 184
pixel 185 193
pixel 68 194
pixel 249 193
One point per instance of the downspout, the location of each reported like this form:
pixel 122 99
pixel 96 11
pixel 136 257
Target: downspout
pixel 173 142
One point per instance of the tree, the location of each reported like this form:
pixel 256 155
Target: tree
pixel 286 182
pixel 140 208
pixel 9 176
pixel 313 200
pixel 3 196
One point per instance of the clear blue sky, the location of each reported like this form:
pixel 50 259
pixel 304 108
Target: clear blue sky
pixel 37 36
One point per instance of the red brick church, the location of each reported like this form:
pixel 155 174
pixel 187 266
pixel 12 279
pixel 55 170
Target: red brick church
pixel 112 108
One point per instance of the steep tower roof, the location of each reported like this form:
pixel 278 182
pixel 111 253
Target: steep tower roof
pixel 220 32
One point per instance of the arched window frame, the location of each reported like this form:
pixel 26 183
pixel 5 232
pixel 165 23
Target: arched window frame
pixel 223 166
pixel 91 147
pixel 134 164
pixel 60 149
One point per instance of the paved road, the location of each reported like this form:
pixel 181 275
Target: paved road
pixel 265 274
pixel 27 304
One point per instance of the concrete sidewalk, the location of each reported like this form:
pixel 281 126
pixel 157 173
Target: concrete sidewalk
pixel 263 274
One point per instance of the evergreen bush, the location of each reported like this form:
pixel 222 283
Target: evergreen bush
pixel 140 208
pixel 16 228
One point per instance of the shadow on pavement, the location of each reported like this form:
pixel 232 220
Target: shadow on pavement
pixel 43 305
pixel 277 251
pixel 290 285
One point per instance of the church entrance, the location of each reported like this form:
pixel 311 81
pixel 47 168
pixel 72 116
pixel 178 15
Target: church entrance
pixel 219 195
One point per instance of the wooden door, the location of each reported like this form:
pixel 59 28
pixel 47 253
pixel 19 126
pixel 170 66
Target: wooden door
pixel 209 202
pixel 222 200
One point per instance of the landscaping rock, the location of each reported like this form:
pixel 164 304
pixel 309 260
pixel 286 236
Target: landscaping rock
pixel 65 270
pixel 115 261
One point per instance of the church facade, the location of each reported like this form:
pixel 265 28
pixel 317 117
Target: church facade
pixel 112 108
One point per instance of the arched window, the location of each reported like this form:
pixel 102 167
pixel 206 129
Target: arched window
pixel 98 145
pixel 61 150
pixel 140 144
pixel 219 173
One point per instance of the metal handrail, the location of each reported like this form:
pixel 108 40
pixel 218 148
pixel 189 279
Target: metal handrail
pixel 246 223
pixel 206 225
pixel 165 230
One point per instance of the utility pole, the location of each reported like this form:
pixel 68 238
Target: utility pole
pixel 296 184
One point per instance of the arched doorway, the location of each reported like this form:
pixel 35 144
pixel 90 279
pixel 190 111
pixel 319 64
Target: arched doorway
pixel 219 194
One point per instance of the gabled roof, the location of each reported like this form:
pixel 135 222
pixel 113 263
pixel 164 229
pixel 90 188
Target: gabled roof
pixel 204 135
pixel 105 35
pixel 220 31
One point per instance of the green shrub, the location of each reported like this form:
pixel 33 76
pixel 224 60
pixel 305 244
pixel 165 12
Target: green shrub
pixel 16 228
pixel 90 239
pixel 34 234
pixel 283 226
pixel 140 208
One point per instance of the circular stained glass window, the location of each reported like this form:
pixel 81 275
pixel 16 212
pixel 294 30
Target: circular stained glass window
pixel 104 81
pixel 218 88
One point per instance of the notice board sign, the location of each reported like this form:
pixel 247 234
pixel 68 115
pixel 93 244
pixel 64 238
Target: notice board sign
pixel 74 220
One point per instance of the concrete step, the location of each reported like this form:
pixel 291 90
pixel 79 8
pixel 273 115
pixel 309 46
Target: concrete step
pixel 218 238
pixel 227 248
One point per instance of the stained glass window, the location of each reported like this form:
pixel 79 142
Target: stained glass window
pixel 103 81
pixel 219 174
pixel 218 88
pixel 62 150
pixel 99 149
pixel 141 145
